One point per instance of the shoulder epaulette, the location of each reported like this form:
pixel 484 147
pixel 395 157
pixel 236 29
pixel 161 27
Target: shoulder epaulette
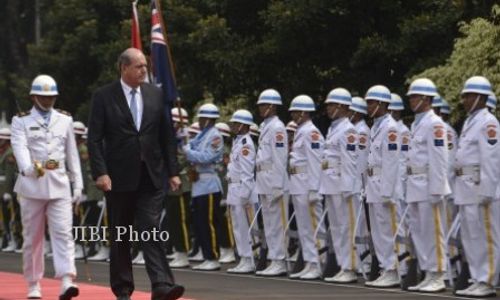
pixel 63 112
pixel 23 113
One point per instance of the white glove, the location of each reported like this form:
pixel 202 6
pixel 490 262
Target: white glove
pixel 186 147
pixel 485 200
pixel 77 195
pixel 29 172
pixel 277 193
pixel 346 195
pixel 7 197
pixel 314 196
pixel 436 199
pixel 386 199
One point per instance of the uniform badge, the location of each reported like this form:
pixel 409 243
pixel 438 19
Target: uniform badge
pixel 33 128
pixel 314 145
pixel 404 142
pixel 492 134
pixel 362 141
pixel 438 136
pixel 280 137
pixel 315 136
pixel 393 137
pixel 245 151
pixel 351 139
pixel 244 141
pixel 216 142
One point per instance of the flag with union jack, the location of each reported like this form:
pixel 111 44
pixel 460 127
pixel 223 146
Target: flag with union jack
pixel 163 71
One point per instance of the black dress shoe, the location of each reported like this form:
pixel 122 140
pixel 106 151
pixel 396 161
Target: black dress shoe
pixel 69 293
pixel 167 292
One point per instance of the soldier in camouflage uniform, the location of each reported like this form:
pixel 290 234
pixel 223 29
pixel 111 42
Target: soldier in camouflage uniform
pixel 11 239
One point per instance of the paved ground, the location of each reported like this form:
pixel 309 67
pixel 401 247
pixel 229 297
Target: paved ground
pixel 223 286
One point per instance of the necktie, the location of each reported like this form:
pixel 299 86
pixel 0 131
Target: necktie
pixel 133 108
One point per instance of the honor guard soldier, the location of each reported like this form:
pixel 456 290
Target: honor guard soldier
pixel 476 167
pixel 337 183
pixel 204 152
pixel 383 165
pixel 225 231
pixel 396 109
pixel 305 173
pixel 45 149
pixel 240 177
pixel 427 185
pixel 178 203
pixel 357 118
pixel 272 180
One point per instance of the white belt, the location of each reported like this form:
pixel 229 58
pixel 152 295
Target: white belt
pixel 297 170
pixel 412 170
pixel 264 167
pixel 372 171
pixel 207 175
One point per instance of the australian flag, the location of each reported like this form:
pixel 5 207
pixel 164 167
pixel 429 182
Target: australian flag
pixel 163 71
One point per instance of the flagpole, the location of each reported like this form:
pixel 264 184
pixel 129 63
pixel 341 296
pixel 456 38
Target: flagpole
pixel 172 68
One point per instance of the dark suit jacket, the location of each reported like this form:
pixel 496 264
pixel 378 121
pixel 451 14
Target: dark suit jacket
pixel 116 147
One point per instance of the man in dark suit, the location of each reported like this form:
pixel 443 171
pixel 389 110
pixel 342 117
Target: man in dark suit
pixel 132 151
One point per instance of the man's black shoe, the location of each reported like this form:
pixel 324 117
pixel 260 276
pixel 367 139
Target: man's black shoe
pixel 167 292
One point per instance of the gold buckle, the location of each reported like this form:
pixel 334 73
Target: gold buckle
pixel 51 164
pixel 324 165
pixel 292 170
pixel 370 172
pixel 459 172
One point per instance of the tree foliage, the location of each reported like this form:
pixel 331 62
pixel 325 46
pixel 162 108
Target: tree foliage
pixel 230 50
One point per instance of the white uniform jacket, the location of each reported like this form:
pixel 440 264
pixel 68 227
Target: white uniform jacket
pixel 305 159
pixel 50 144
pixel 240 170
pixel 427 159
pixel 383 159
pixel 339 159
pixel 477 159
pixel 272 155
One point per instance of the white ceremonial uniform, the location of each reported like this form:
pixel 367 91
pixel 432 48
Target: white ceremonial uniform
pixel 383 165
pixel 240 177
pixel 337 184
pixel 46 199
pixel 477 164
pixel 427 184
pixel 305 174
pixel 271 183
pixel 404 134
pixel 451 208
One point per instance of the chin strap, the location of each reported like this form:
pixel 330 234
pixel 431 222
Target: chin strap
pixel 40 106
pixel 476 101
pixel 375 111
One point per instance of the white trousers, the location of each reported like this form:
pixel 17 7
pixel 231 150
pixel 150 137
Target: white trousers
pixel 383 222
pixel 307 216
pixel 361 229
pixel 480 232
pixel 426 222
pixel 35 213
pixel 241 216
pixel 342 218
pixel 274 215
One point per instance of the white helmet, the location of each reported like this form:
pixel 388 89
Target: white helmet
pixel 5 133
pixel 492 101
pixel 340 96
pixel 291 126
pixel 437 101
pixel 44 85
pixel 194 128
pixel 302 103
pixel 358 105
pixel 269 96
pixel 396 102
pixel 175 115
pixel 422 86
pixel 379 93
pixel 477 85
pixel 79 128
pixel 254 130
pixel 223 129
pixel 445 107
pixel 208 110
pixel 242 116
